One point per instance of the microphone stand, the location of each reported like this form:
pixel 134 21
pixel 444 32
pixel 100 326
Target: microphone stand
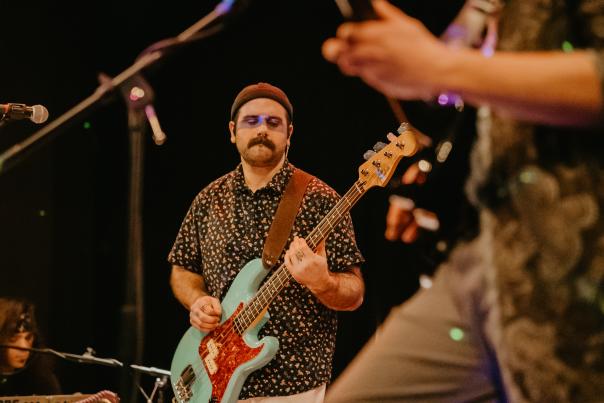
pixel 132 336
pixel 8 159
pixel 161 380
pixel 161 375
pixel 86 358
pixel 139 96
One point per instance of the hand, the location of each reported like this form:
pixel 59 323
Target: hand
pixel 406 222
pixel 308 268
pixel 205 313
pixel 395 54
pixel 414 174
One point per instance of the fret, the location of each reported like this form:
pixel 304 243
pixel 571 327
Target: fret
pixel 262 299
pixel 238 325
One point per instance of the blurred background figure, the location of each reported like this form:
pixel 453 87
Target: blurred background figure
pixel 530 285
pixel 23 372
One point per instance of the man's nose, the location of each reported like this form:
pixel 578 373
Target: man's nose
pixel 262 129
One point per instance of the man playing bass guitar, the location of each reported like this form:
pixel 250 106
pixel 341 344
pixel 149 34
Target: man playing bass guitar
pixel 226 227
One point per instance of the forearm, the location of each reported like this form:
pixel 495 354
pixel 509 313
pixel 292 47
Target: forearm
pixel 186 286
pixel 342 291
pixel 542 87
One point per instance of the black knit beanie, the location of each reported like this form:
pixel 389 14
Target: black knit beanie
pixel 262 90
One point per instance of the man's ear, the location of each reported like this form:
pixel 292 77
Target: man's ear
pixel 232 131
pixel 290 130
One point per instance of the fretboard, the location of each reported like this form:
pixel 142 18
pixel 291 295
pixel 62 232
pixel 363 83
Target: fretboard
pixel 281 278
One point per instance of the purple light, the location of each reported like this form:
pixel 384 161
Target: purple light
pixel 487 51
pixel 443 99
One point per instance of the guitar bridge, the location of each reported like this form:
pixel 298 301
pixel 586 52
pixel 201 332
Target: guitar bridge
pixel 182 388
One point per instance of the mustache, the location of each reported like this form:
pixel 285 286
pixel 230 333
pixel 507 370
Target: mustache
pixel 261 140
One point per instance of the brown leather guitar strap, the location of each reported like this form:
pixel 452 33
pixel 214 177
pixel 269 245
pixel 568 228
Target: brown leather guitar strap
pixel 285 217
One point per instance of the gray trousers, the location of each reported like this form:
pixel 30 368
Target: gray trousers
pixel 432 348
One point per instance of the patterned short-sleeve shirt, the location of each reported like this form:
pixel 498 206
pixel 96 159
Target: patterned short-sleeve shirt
pixel 225 228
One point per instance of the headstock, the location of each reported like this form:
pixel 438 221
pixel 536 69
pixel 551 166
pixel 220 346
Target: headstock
pixel 382 161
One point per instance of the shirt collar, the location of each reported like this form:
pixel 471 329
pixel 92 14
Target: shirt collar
pixel 276 185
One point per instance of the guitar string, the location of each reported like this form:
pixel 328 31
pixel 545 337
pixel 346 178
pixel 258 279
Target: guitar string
pixel 320 232
pixel 354 194
pixel 250 312
pixel 241 322
pixel 228 333
pixel 240 328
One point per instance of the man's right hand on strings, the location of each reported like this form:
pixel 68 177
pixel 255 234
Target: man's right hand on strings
pixel 205 313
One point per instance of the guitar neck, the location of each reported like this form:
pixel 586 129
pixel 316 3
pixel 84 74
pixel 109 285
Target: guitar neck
pixel 336 215
pixel 281 278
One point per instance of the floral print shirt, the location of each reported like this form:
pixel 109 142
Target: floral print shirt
pixel 225 228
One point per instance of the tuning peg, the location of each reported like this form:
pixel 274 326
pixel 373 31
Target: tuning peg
pixel 368 154
pixel 392 137
pixel 403 127
pixel 379 146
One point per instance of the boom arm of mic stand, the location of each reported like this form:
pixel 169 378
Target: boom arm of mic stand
pixel 86 358
pixel 150 370
pixel 8 159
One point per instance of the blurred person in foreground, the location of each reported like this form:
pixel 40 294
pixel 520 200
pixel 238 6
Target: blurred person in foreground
pixel 517 313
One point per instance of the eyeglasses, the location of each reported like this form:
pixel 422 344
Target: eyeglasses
pixel 251 121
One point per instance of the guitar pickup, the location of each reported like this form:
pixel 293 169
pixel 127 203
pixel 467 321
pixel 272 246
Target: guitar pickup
pixel 212 348
pixel 210 365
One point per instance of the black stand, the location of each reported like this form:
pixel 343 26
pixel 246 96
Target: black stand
pixel 132 335
pixel 8 159
pixel 86 358
pixel 139 96
pixel 161 381
pixel 161 375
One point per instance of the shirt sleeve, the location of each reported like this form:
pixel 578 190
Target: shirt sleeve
pixel 341 247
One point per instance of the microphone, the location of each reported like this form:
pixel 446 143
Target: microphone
pixel 159 137
pixel 139 96
pixel 37 113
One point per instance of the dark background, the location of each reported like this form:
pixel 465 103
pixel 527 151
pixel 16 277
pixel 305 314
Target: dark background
pixel 64 211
